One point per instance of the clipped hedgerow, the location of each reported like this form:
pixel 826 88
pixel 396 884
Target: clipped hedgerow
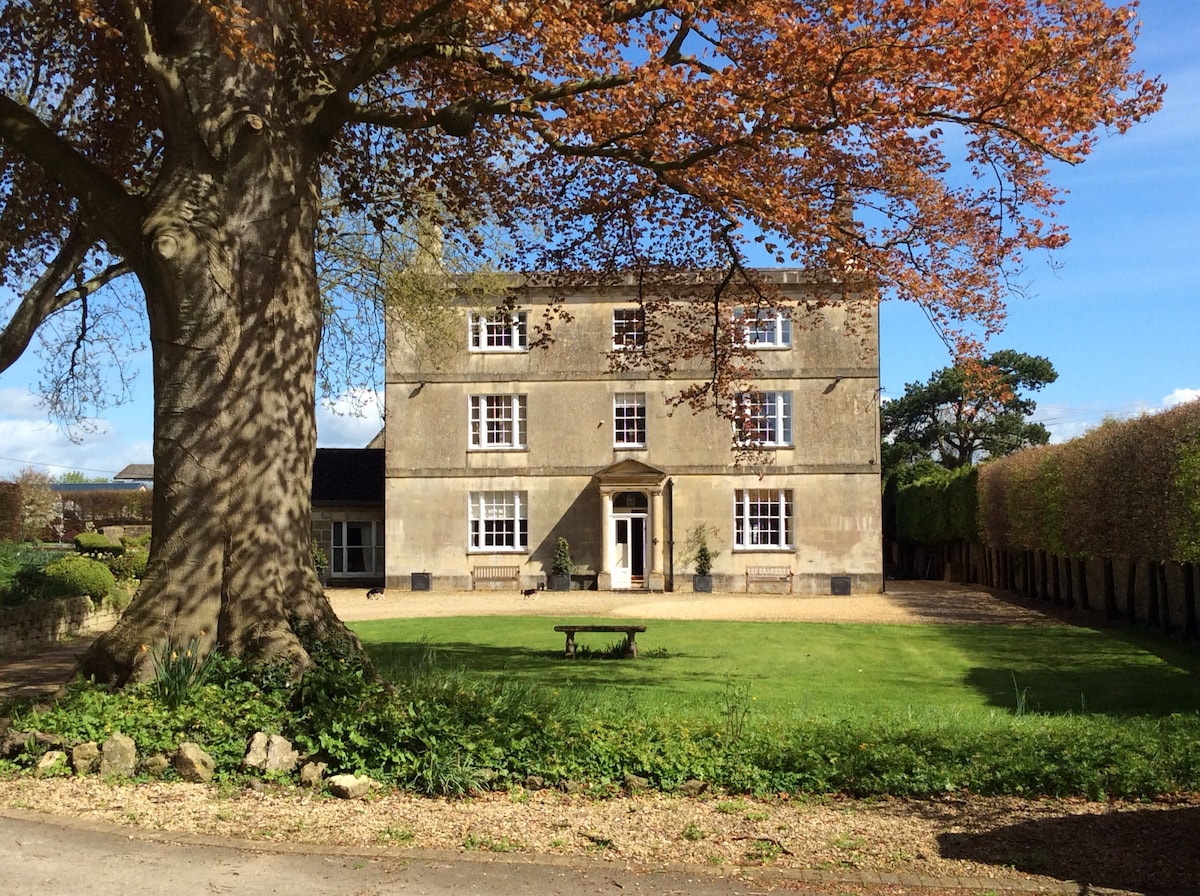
pixel 1129 488
pixel 74 574
pixel 941 506
pixel 10 511
pixel 93 544
pixel 129 565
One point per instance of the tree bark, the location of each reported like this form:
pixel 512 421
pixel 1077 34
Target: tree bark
pixel 235 322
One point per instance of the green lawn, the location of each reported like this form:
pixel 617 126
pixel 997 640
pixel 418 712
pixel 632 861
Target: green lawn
pixel 784 670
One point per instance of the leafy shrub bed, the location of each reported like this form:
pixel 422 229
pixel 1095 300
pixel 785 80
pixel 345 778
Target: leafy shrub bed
pixel 29 573
pixel 446 733
pixel 21 571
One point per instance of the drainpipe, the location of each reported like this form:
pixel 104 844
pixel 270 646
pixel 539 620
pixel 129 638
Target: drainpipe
pixel 669 501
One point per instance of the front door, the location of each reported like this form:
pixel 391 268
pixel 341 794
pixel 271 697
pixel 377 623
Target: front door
pixel 629 550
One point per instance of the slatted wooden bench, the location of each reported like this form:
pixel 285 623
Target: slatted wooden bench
pixel 768 575
pixel 629 630
pixel 495 577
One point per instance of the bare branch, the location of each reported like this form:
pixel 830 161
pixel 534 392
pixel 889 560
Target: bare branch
pixel 42 300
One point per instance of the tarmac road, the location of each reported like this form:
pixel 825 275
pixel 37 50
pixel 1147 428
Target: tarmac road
pixel 47 856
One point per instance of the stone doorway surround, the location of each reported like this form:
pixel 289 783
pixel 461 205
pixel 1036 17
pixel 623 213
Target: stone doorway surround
pixel 632 477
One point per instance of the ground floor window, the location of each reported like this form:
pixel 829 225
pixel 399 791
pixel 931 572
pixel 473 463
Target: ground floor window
pixel 357 548
pixel 762 518
pixel 499 521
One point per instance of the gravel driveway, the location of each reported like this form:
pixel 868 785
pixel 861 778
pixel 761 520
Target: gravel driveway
pixel 905 602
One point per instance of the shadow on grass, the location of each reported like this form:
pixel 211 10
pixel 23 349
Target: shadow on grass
pixel 1143 850
pixel 1079 670
pixel 1128 691
pixel 592 668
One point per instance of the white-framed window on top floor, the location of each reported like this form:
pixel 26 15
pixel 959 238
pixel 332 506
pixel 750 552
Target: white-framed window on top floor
pixel 764 327
pixel 629 420
pixel 764 419
pixel 499 521
pixel 762 519
pixel 629 328
pixel 356 548
pixel 497 422
pixel 502 331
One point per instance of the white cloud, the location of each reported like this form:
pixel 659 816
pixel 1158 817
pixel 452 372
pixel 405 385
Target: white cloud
pixel 29 439
pixel 351 420
pixel 1180 396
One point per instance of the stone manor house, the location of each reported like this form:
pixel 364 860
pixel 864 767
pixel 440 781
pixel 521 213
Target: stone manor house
pixel 502 446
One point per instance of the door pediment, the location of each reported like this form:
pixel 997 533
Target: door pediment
pixel 629 474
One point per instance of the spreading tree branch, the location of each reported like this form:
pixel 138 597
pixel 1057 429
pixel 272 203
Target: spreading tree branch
pixel 44 297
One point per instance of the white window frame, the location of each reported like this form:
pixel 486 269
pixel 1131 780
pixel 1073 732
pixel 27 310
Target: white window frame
pixel 628 328
pixel 629 418
pixel 764 328
pixel 348 560
pixel 508 512
pixel 504 331
pixel 764 419
pixel 489 416
pixel 763 519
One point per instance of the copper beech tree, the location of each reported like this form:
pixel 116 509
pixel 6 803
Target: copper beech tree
pixel 185 155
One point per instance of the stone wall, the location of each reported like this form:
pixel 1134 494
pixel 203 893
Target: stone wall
pixel 47 622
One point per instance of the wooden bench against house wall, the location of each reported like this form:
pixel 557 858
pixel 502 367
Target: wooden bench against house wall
pixel 773 575
pixel 496 577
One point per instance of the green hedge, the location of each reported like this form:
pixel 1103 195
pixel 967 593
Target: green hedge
pixel 74 574
pixel 93 544
pixel 941 506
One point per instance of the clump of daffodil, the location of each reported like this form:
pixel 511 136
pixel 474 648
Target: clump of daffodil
pixel 179 668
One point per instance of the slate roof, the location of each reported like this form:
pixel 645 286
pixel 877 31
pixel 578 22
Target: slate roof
pixel 340 476
pixel 348 476
pixel 66 488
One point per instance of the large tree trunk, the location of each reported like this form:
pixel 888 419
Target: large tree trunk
pixel 235 323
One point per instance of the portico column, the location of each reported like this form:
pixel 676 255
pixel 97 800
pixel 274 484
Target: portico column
pixel 656 581
pixel 656 530
pixel 605 528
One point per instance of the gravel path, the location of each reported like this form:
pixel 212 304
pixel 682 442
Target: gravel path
pixel 904 603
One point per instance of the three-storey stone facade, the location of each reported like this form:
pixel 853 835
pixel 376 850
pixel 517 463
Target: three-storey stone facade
pixel 496 447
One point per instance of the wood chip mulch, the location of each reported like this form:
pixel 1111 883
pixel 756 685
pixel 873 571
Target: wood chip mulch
pixel 1030 845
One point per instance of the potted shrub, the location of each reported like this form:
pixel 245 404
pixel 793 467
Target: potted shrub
pixel 561 567
pixel 702 579
pixel 701 558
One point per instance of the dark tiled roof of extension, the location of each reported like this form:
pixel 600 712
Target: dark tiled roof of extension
pixel 348 476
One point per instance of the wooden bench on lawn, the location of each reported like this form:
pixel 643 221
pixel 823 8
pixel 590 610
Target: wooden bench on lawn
pixel 629 630
pixel 769 575
pixel 495 577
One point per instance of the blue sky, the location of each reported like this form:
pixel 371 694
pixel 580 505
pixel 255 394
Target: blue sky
pixel 1117 313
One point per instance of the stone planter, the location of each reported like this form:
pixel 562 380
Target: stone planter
pixel 702 584
pixel 559 581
